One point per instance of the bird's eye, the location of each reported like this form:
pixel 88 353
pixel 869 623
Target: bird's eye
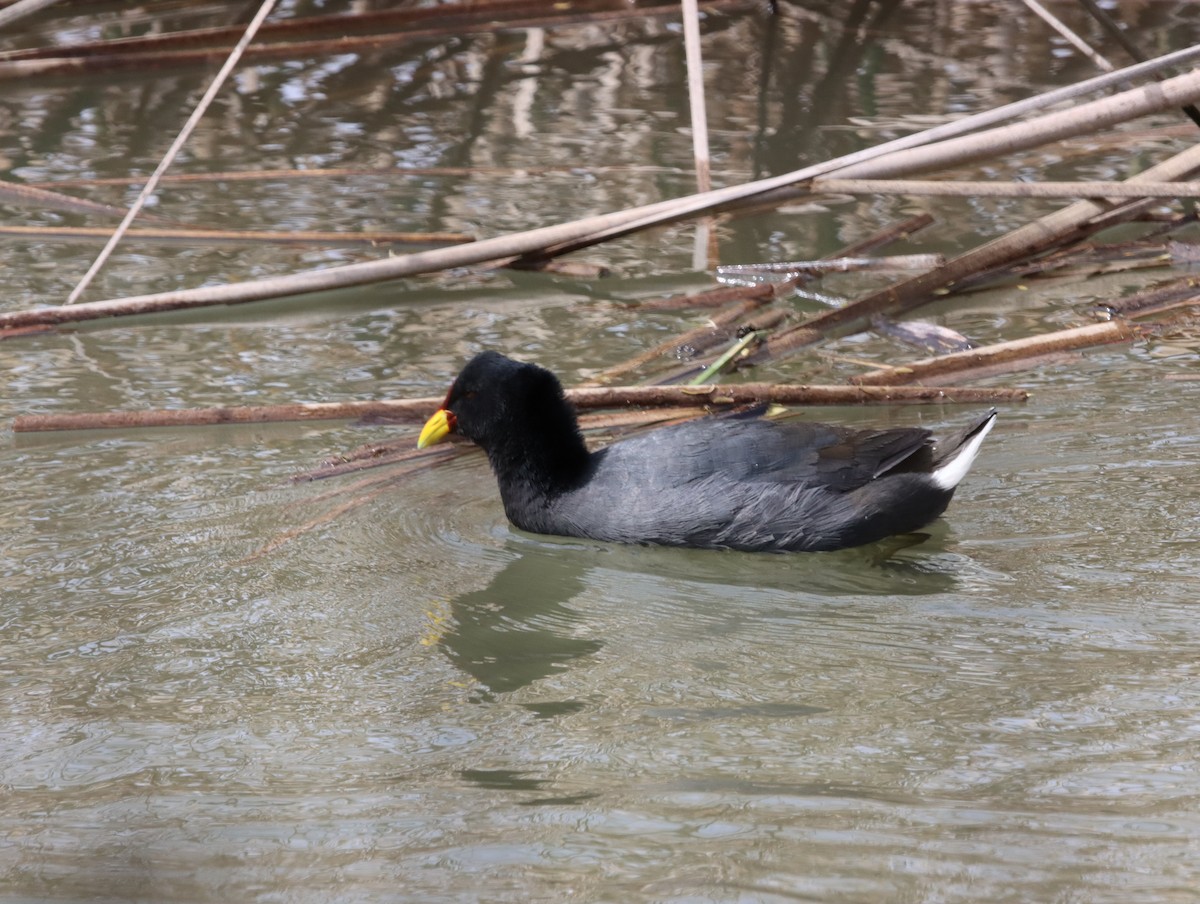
pixel 470 395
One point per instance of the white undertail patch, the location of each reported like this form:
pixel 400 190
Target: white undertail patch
pixel 949 474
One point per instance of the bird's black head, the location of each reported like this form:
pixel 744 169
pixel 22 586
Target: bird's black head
pixel 515 411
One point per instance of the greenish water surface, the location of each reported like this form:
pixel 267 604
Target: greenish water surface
pixel 411 701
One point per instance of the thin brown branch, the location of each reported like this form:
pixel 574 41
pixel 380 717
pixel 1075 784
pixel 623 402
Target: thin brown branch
pixel 277 175
pixel 238 236
pixel 584 397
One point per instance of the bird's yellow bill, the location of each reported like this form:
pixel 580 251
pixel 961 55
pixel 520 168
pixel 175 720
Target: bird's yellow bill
pixel 436 429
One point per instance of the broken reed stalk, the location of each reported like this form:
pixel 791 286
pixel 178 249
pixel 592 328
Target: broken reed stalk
pixel 910 294
pixel 538 240
pixel 189 126
pixel 21 9
pixel 695 82
pixel 989 358
pixel 1070 36
pixel 837 265
pixel 586 397
pixel 1095 256
pixel 704 249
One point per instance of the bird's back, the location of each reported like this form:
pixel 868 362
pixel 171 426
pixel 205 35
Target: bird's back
pixel 836 458
pixel 744 484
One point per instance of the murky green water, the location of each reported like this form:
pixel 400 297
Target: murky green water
pixel 413 702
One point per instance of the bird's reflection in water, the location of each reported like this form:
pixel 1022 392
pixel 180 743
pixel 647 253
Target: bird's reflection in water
pixel 519 629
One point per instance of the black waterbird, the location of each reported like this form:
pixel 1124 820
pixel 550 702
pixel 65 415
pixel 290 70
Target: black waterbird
pixel 731 483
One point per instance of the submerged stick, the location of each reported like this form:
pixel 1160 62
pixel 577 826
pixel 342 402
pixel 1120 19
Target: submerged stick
pixel 587 397
pixel 45 198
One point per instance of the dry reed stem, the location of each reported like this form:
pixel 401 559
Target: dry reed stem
pixel 1134 103
pixel 975 189
pixel 231 60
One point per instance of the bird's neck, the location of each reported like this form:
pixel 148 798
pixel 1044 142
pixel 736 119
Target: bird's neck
pixel 545 460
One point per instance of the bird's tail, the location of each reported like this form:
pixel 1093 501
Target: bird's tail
pixel 954 456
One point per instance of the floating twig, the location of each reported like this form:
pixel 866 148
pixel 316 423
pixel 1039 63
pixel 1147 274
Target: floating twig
pixel 752 337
